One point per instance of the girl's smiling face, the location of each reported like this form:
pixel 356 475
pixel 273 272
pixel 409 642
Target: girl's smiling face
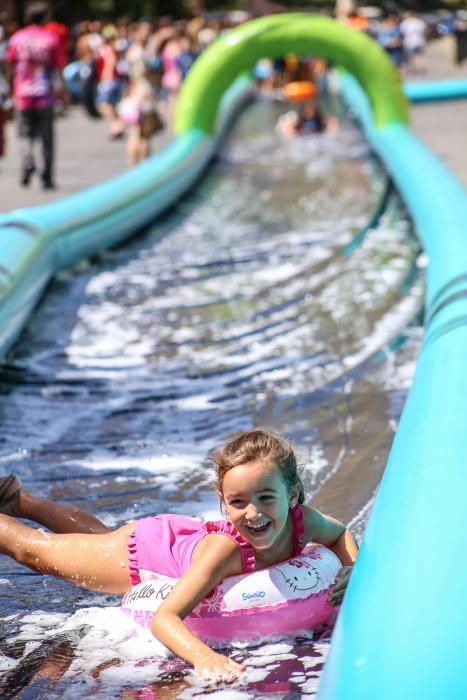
pixel 258 502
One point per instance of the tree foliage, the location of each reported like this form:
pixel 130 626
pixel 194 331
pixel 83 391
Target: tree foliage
pixel 74 10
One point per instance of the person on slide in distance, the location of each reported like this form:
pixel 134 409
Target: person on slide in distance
pixel 260 491
pixel 308 120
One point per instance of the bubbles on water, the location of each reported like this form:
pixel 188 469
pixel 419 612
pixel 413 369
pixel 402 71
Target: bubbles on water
pixel 108 652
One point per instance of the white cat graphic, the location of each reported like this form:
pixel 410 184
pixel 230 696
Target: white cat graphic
pixel 296 578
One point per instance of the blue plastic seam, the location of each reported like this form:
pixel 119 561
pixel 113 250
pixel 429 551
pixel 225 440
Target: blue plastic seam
pixel 461 294
pixel 446 328
pixel 31 229
pixel 446 287
pixel 358 239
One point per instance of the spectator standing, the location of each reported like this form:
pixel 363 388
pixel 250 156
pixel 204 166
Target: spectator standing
pixel 84 50
pixel 4 91
pixel 172 76
pixel 3 43
pixel 140 103
pixel 413 31
pixel 121 45
pixel 2 126
pixel 389 37
pixel 208 33
pixel 63 33
pixel 87 44
pixel 109 85
pixel 459 29
pixel 36 58
pixel 343 9
pixel 358 22
pixel 189 52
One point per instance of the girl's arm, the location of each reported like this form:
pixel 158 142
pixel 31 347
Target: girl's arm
pixel 217 557
pixel 333 534
pixel 346 548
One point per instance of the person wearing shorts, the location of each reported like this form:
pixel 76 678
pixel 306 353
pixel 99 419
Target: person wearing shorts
pixel 413 30
pixel 109 86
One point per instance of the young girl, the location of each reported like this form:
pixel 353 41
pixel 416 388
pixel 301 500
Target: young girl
pixel 261 494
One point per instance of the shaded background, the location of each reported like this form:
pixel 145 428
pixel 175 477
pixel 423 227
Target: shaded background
pixel 74 10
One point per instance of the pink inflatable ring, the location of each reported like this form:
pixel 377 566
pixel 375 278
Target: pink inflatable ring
pixel 284 599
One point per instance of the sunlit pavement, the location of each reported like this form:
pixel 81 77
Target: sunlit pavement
pixel 442 125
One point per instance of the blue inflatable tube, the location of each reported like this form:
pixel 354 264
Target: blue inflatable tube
pixel 36 243
pixel 437 90
pixel 401 630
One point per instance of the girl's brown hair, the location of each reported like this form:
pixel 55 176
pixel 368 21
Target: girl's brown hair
pixel 259 444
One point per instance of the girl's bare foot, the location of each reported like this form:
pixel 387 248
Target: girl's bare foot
pixel 10 487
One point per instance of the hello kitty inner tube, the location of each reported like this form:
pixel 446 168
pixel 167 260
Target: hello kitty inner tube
pixel 284 599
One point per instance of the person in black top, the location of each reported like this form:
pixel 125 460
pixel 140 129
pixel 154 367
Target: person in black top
pixel 308 120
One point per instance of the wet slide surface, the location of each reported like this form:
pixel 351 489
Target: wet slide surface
pixel 246 305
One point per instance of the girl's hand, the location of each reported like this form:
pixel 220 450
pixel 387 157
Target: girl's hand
pixel 336 594
pixel 216 668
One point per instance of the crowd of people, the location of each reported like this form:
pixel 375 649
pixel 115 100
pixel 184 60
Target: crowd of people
pixel 130 73
pixel 138 69
pixel 404 39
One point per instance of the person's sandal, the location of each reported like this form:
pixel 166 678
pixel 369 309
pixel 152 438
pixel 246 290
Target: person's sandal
pixel 10 486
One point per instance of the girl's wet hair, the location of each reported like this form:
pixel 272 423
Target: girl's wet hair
pixel 259 444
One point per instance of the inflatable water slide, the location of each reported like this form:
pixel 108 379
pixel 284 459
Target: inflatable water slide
pixel 400 633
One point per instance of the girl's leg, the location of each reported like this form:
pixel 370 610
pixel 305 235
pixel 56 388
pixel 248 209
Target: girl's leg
pixel 97 562
pixel 133 144
pixel 143 148
pixel 58 517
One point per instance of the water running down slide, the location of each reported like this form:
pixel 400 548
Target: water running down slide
pixel 133 367
pixel 376 653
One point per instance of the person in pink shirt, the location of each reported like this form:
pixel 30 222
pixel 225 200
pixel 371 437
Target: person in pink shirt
pixel 36 58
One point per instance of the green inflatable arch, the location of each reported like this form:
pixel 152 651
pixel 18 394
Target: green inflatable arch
pixel 300 33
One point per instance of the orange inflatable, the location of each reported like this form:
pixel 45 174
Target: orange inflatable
pixel 300 90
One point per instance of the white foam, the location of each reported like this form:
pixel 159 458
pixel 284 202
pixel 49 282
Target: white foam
pixel 7 664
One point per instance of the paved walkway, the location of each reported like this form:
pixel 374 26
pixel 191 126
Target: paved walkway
pixel 443 126
pixel 86 156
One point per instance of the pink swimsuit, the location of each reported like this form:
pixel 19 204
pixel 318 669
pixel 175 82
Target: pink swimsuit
pixel 164 544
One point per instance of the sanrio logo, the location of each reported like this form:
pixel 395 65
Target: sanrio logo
pixel 249 596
